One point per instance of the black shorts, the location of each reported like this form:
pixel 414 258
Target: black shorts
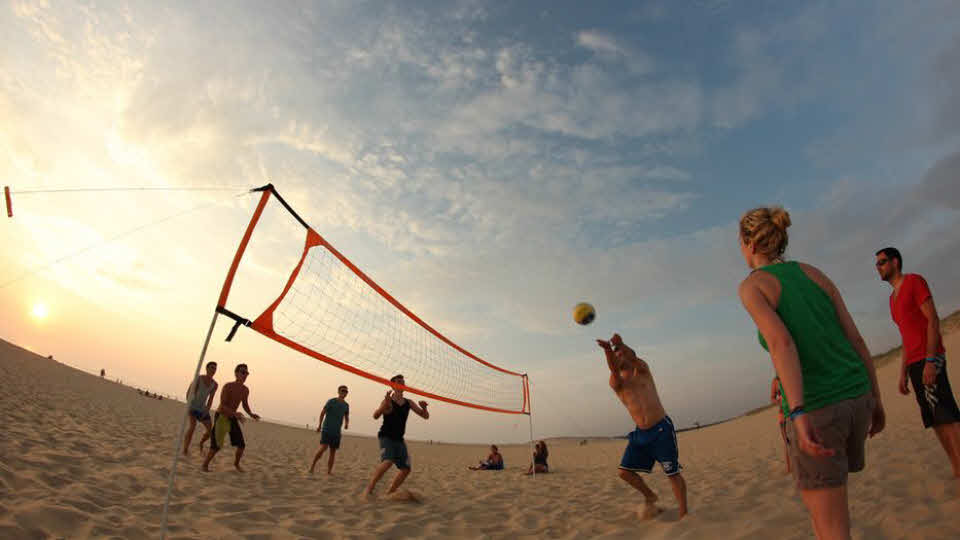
pixel 937 406
pixel 223 425
pixel 330 439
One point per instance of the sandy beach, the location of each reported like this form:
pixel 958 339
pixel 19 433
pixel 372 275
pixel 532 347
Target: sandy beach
pixel 85 457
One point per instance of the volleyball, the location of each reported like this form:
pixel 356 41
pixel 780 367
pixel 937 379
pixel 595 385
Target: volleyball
pixel 583 313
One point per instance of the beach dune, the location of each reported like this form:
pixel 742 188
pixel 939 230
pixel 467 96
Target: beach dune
pixel 82 457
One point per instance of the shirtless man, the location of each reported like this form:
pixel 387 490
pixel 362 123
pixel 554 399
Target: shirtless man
pixel 228 418
pixel 655 438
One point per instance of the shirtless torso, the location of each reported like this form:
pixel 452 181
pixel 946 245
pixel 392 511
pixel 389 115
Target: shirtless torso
pixel 232 395
pixel 632 382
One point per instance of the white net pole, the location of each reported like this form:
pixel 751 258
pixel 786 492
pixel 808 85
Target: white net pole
pixel 183 424
pixel 533 466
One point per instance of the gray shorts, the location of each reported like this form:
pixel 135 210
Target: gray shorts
pixel 395 451
pixel 843 427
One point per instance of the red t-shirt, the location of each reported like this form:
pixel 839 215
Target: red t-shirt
pixel 905 310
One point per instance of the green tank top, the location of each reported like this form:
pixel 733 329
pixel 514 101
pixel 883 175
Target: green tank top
pixel 832 369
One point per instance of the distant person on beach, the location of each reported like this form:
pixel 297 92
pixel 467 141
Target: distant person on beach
pixel 540 455
pixel 335 412
pixel 923 359
pixel 199 399
pixel 655 438
pixel 227 418
pixel 494 461
pixel 777 397
pixel 828 384
pixel 393 450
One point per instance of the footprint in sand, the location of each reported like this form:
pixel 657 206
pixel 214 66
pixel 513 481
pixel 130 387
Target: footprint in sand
pixel 405 495
pixel 649 511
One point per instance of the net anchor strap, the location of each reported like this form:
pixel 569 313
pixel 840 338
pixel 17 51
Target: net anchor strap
pixel 237 321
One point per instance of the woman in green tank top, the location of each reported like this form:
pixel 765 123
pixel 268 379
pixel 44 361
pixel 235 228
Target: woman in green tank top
pixel 828 381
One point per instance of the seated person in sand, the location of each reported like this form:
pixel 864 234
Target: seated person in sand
pixel 494 461
pixel 539 464
pixel 655 439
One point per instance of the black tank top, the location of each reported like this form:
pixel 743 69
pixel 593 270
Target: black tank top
pixel 395 423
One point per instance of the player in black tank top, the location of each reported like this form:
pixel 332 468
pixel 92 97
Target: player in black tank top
pixel 393 450
pixel 395 421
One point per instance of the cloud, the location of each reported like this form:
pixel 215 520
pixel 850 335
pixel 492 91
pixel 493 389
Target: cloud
pixel 941 184
pixel 777 66
pixel 610 49
pixel 947 90
pixel 599 42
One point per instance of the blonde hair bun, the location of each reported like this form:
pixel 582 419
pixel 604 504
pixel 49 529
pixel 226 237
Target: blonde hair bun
pixel 765 228
pixel 780 218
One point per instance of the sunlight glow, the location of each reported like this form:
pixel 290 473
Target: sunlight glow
pixel 39 311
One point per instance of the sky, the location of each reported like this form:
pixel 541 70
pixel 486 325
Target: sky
pixel 490 165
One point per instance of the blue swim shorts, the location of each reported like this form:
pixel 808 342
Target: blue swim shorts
pixel 655 444
pixel 395 451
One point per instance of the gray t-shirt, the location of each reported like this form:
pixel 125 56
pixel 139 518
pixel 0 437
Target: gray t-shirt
pixel 336 410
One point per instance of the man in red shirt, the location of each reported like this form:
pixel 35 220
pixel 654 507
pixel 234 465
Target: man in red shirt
pixel 923 356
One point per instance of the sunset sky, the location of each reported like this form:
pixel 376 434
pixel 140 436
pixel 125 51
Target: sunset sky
pixel 490 165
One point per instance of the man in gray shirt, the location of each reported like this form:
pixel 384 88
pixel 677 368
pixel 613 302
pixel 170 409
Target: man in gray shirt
pixel 334 413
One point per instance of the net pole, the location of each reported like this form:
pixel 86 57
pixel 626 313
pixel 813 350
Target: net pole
pixel 183 424
pixel 224 293
pixel 533 466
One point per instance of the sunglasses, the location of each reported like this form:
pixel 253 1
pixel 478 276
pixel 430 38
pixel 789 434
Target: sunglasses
pixel 343 390
pixel 882 262
pixel 243 373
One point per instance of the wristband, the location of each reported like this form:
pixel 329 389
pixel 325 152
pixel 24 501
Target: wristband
pixel 795 412
pixel 935 360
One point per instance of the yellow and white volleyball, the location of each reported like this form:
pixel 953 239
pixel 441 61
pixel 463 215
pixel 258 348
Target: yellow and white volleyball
pixel 583 313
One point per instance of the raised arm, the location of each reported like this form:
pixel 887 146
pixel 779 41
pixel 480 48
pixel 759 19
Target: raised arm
pixel 386 406
pixel 615 381
pixel 420 408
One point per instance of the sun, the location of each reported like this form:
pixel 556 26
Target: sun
pixel 39 311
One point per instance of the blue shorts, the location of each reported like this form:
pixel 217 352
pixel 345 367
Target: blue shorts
pixel 656 444
pixel 395 451
pixel 202 415
pixel 330 439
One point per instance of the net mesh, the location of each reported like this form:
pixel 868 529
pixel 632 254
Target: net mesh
pixel 332 311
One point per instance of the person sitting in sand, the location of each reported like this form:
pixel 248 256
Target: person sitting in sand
pixel 540 454
pixel 777 397
pixel 494 461
pixel 200 398
pixel 335 412
pixel 393 450
pixel 228 418
pixel 654 439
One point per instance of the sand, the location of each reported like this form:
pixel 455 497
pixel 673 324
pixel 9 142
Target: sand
pixel 85 457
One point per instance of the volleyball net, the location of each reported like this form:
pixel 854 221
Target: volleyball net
pixel 331 311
